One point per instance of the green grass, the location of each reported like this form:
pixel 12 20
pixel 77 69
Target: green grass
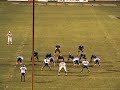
pixel 97 28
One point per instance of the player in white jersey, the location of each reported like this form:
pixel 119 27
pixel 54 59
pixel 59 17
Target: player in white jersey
pixel 97 61
pixel 62 65
pixel 23 70
pixel 85 64
pixel 46 62
pixel 9 35
pixel 19 60
pixel 76 61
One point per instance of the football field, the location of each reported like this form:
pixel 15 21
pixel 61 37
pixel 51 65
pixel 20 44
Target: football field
pixel 97 27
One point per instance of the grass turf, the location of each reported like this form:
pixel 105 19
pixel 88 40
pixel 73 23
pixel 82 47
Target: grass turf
pixel 96 27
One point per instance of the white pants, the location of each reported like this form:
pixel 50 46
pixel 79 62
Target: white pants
pixel 61 68
pixel 10 40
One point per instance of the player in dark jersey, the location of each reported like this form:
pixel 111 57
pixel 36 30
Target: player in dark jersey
pixel 52 60
pixel 80 49
pixel 82 56
pixel 35 56
pixel 57 48
pixel 60 58
pixel 70 56
pixel 48 55
pixel 93 56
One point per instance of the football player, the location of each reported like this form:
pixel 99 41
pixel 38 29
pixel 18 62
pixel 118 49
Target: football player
pixel 93 56
pixel 35 56
pixel 97 61
pixel 19 60
pixel 70 56
pixel 85 64
pixel 80 49
pixel 52 60
pixel 48 55
pixel 76 61
pixel 57 48
pixel 82 55
pixel 9 35
pixel 60 58
pixel 62 64
pixel 23 70
pixel 46 62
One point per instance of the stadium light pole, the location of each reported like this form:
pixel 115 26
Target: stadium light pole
pixel 33 45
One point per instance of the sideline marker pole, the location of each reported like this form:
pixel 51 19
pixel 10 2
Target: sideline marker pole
pixel 33 46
